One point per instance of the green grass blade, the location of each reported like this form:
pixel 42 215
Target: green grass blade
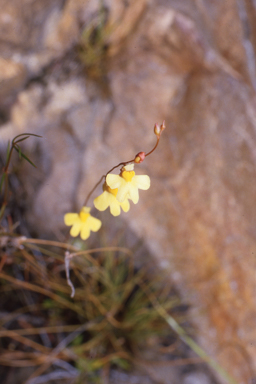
pixel 24 138
pixel 8 151
pixel 193 345
pixel 21 154
pixel 2 181
pixel 24 134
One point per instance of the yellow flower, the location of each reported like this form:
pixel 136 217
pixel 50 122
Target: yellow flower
pixel 128 184
pixel 82 223
pixel 108 199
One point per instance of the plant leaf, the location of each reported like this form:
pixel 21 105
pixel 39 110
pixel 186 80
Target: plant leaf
pixel 24 156
pixel 19 151
pixel 24 138
pixel 2 181
pixel 24 134
pixel 8 151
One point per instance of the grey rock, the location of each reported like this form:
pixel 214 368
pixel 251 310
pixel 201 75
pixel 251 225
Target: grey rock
pixel 185 62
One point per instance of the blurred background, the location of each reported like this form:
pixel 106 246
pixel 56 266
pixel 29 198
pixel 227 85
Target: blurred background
pixel 92 78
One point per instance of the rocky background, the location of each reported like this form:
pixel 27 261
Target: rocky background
pixel 93 77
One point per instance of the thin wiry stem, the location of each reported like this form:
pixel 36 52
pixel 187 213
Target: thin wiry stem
pixel 149 153
pixel 67 261
pixel 125 163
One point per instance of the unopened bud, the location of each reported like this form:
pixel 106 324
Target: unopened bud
pixel 157 130
pixel 163 126
pixel 139 157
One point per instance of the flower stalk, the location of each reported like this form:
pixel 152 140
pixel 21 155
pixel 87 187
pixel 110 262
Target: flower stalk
pixel 117 191
pixel 139 158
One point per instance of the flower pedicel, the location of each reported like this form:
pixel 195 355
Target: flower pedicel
pixel 117 191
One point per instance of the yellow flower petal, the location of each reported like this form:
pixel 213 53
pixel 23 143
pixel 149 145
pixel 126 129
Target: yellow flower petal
pixel 125 205
pixel 141 181
pixel 76 229
pixel 102 202
pixel 115 209
pixel 114 181
pixel 70 218
pixel 133 194
pixel 93 223
pixel 85 232
pixel 123 191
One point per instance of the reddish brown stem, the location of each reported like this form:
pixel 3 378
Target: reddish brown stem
pixel 152 150
pixel 117 166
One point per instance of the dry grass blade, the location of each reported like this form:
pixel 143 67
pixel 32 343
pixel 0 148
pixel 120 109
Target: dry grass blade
pixel 62 345
pixel 35 288
pixel 26 341
pixel 109 317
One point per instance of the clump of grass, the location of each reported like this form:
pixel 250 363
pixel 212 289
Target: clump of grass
pixel 105 324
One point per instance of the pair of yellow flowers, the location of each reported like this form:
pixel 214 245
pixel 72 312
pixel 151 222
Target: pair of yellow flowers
pixel 117 191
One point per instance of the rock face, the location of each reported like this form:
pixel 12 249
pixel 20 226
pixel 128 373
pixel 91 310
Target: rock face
pixel 190 63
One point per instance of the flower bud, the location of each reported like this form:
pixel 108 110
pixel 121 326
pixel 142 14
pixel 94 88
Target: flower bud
pixel 157 130
pixel 139 157
pixel 163 126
